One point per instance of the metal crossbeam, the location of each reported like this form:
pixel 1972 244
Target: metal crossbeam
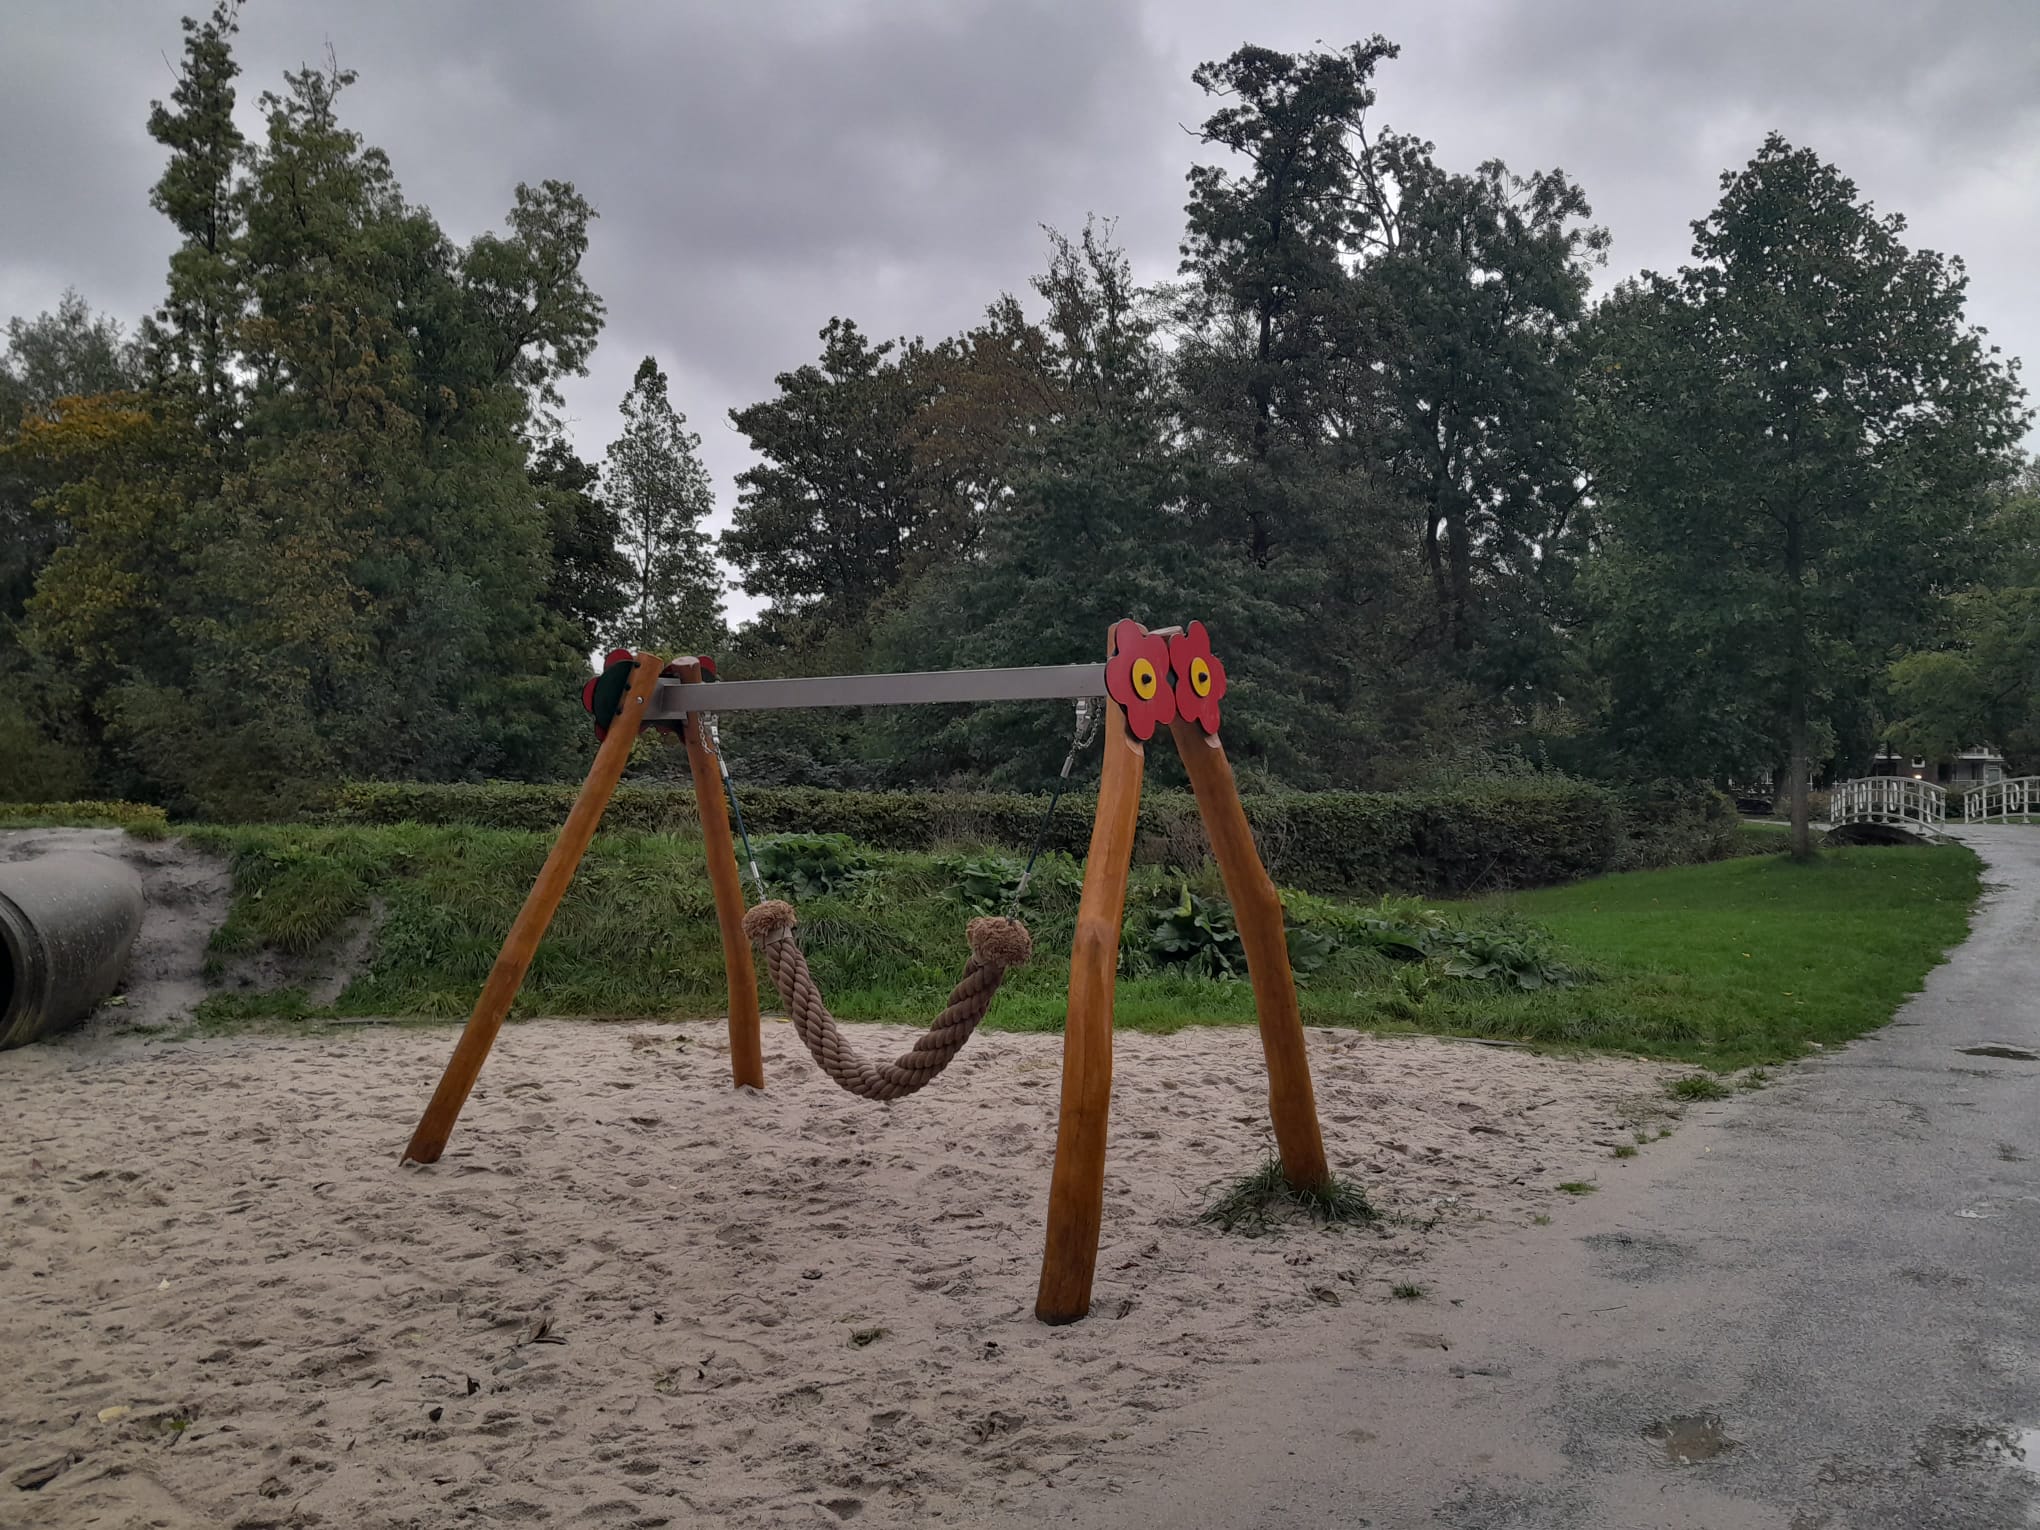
pixel 1051 682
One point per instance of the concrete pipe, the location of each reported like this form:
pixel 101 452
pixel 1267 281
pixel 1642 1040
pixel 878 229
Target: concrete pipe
pixel 66 924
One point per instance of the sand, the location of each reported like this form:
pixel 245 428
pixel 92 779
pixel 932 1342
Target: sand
pixel 631 1296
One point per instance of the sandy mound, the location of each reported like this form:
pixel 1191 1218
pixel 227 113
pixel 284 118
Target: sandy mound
pixel 630 1296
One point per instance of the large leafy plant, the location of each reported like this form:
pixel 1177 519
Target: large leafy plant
pixel 812 865
pixel 1198 935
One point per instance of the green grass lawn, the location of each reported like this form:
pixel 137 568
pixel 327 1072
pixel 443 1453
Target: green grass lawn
pixel 1737 962
pixel 1741 961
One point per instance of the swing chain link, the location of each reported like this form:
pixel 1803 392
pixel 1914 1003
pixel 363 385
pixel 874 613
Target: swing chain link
pixel 1090 715
pixel 711 740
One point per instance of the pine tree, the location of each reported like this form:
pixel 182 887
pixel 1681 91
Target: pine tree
pixel 191 340
pixel 660 494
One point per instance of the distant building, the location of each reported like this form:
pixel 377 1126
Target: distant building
pixel 1972 767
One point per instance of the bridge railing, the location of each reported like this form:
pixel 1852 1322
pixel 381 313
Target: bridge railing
pixel 2017 797
pixel 1897 800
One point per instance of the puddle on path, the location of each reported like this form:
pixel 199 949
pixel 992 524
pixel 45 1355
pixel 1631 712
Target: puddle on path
pixel 2000 1049
pixel 1688 1438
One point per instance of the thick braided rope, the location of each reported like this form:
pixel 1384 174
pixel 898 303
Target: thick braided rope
pixel 995 945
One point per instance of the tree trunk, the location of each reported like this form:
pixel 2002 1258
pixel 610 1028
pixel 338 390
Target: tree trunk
pixel 1802 828
pixel 1795 701
pixel 1459 547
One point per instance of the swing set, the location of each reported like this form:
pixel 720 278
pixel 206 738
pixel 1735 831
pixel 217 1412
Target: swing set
pixel 1151 679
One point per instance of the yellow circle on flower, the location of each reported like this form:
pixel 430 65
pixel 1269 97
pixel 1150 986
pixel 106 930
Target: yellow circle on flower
pixel 1200 677
pixel 1145 680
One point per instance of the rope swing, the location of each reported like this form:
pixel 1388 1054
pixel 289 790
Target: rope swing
pixel 995 945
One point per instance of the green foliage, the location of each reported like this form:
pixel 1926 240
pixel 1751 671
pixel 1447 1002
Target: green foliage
pixel 320 523
pixel 585 588
pixel 1196 934
pixel 1977 682
pixel 1676 823
pixel 809 865
pixel 33 766
pixel 1519 959
pixel 661 494
pixel 1698 1086
pixel 1794 440
pixel 985 883
pixel 1492 836
pixel 1310 949
pixel 1257 1201
pixel 1737 962
pixel 830 518
pixel 307 548
pixel 989 883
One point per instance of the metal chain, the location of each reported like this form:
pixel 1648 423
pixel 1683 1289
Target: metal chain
pixel 1090 713
pixel 711 740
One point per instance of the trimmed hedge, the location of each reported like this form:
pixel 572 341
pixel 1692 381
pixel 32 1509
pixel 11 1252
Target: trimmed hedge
pixel 1475 839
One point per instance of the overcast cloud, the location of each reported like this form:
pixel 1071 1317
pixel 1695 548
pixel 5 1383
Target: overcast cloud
pixel 761 167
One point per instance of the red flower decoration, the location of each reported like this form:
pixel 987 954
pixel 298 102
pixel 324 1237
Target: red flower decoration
pixel 1200 677
pixel 1137 677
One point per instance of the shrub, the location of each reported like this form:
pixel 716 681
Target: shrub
pixel 810 865
pixel 1491 836
pixel 1198 935
pixel 1516 959
pixel 33 766
pixel 1676 823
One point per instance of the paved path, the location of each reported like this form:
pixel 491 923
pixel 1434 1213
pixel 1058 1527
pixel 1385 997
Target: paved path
pixel 1844 1269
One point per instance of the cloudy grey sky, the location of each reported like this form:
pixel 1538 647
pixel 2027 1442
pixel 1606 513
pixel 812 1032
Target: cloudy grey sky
pixel 760 166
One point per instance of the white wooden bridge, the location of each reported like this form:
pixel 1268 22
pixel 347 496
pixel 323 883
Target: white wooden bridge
pixel 1924 809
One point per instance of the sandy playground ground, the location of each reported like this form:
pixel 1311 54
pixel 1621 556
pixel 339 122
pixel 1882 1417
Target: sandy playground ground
pixel 631 1296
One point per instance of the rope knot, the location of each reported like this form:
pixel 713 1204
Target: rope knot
pixel 770 920
pixel 1000 943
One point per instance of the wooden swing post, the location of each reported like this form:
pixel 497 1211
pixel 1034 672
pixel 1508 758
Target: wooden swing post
pixel 1257 910
pixel 514 960
pixel 747 1049
pixel 1076 1191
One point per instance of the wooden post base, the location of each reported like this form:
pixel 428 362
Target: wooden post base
pixel 719 853
pixel 514 960
pixel 1076 1191
pixel 1257 910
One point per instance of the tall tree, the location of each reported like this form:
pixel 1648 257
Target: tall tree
pixel 589 587
pixel 660 494
pixel 1980 683
pixel 834 514
pixel 1795 441
pixel 191 338
pixel 71 353
pixel 1265 250
pixel 1476 286
pixel 329 558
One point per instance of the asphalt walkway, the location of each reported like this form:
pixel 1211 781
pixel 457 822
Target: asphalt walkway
pixel 1817 1307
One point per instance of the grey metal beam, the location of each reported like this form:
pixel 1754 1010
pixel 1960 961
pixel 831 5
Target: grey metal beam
pixel 1051 682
